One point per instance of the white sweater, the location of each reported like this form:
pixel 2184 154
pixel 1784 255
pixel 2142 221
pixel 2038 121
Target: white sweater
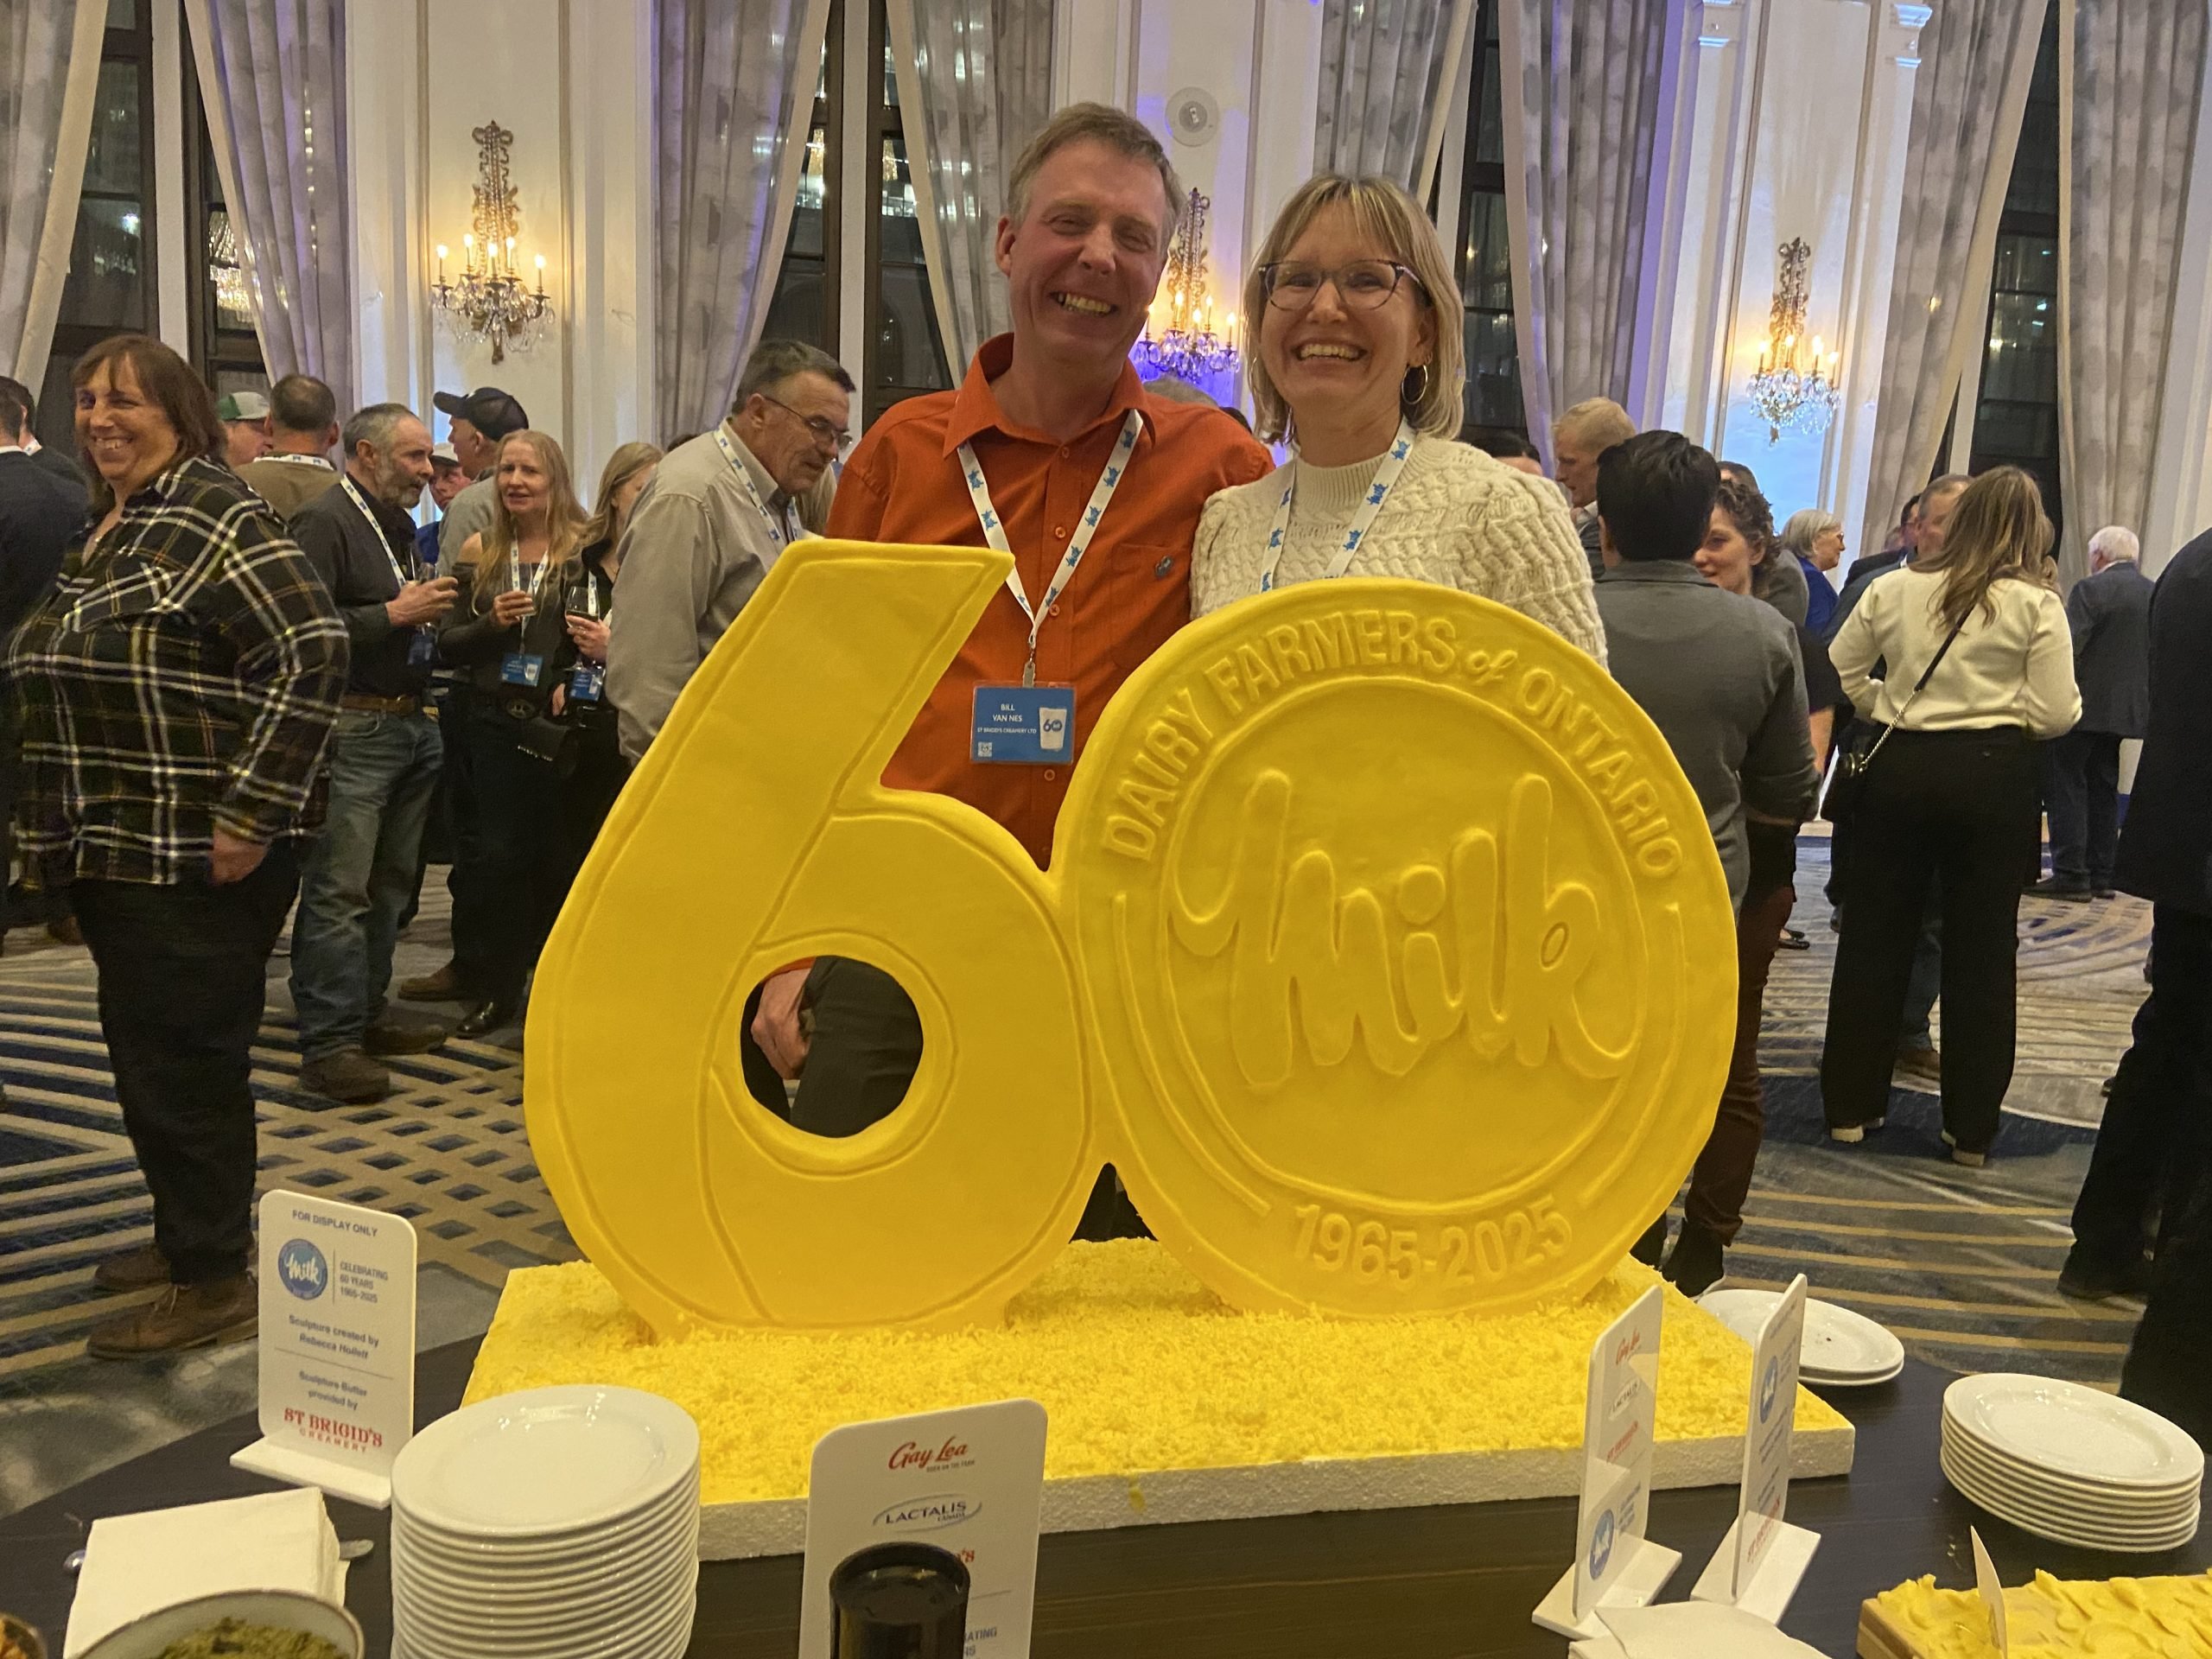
pixel 1455 518
pixel 2016 669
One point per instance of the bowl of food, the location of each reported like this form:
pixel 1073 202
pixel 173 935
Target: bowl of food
pixel 238 1624
pixel 18 1640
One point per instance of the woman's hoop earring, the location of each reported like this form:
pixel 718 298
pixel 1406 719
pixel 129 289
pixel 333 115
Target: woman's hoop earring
pixel 1410 393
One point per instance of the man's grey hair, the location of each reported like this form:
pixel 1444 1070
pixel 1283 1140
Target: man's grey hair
pixel 1807 527
pixel 2117 543
pixel 373 426
pixel 775 361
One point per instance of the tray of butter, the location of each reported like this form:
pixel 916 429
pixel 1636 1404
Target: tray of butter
pixel 2115 1618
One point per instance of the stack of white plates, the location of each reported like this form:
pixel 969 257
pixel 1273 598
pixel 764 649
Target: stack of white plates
pixel 545 1524
pixel 2071 1464
pixel 1841 1350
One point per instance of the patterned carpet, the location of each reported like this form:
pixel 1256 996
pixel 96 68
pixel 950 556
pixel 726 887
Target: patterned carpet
pixel 1960 1264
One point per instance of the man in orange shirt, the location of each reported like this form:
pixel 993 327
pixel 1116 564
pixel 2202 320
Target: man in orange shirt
pixel 1029 454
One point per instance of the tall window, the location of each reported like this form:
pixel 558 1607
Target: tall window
pixel 902 353
pixel 1486 256
pixel 225 348
pixel 109 288
pixel 2016 419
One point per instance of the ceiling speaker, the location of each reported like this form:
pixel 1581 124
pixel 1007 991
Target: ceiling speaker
pixel 1193 115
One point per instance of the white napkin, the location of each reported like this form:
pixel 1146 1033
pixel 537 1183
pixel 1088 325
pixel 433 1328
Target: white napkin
pixel 1689 1630
pixel 136 1564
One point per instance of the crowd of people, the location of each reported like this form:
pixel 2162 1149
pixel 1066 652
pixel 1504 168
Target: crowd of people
pixel 244 672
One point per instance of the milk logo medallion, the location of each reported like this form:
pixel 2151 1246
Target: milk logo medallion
pixel 303 1268
pixel 1388 902
pixel 1383 951
pixel 1601 1545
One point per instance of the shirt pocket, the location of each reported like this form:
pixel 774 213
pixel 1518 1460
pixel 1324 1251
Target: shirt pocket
pixel 131 595
pixel 1147 598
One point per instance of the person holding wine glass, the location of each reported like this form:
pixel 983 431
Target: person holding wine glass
pixel 509 632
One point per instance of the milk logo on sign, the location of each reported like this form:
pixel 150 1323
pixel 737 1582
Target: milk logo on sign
pixel 302 1268
pixel 1601 1545
pixel 1052 730
pixel 1770 1386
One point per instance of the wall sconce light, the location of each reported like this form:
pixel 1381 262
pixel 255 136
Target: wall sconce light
pixel 1795 388
pixel 491 302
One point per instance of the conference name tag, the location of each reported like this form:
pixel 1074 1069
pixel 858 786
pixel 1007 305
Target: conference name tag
pixel 519 668
pixel 1024 725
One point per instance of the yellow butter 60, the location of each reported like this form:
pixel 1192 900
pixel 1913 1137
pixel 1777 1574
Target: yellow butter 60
pixel 1384 952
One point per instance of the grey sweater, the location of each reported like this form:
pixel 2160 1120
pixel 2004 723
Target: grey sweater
pixel 1719 676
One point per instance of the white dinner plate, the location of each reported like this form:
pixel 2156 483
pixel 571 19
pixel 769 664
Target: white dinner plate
pixel 2071 1491
pixel 1842 1346
pixel 495 1585
pixel 681 1510
pixel 643 1575
pixel 1820 1380
pixel 2047 1424
pixel 2028 1501
pixel 2081 1535
pixel 665 1637
pixel 545 1461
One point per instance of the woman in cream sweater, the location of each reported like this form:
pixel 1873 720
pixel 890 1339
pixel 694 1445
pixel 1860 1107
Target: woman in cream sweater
pixel 1950 798
pixel 1355 366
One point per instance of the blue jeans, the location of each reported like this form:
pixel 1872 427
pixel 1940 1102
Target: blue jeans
pixel 360 875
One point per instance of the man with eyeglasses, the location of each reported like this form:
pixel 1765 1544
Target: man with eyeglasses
pixel 718 512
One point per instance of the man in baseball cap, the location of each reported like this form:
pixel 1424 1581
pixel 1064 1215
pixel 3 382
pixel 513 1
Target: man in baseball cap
pixel 478 420
pixel 245 415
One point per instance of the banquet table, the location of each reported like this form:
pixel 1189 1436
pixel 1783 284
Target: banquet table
pixel 1414 1584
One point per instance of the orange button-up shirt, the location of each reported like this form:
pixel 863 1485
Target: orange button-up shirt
pixel 1131 592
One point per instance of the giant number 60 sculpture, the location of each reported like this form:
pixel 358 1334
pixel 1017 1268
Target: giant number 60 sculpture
pixel 1384 952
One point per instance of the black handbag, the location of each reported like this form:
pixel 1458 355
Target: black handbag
pixel 1849 786
pixel 549 740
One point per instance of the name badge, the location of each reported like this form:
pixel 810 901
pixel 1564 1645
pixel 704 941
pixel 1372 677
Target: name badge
pixel 587 682
pixel 1024 725
pixel 519 668
pixel 423 648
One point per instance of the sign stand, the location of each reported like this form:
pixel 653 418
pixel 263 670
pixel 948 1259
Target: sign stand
pixel 1615 1564
pixel 337 1346
pixel 970 1481
pixel 1763 1560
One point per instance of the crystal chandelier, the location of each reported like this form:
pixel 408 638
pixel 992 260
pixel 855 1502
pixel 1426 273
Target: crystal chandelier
pixel 489 303
pixel 1786 391
pixel 1178 335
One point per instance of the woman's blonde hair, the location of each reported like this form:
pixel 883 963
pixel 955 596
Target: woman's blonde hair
pixel 564 522
pixel 622 466
pixel 1381 211
pixel 1998 532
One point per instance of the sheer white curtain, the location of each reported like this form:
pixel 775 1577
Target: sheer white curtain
pixel 1976 59
pixel 1387 73
pixel 734 91
pixel 272 74
pixel 975 83
pixel 1585 83
pixel 2131 75
pixel 49 74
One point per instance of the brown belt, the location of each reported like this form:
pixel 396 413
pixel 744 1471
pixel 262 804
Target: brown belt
pixel 380 705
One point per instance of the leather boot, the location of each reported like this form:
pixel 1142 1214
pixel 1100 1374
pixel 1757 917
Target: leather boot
pixel 184 1316
pixel 139 1269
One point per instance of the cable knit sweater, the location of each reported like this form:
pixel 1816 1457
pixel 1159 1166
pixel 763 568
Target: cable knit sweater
pixel 1455 518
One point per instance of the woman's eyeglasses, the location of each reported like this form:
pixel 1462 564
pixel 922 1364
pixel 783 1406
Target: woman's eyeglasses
pixel 1362 285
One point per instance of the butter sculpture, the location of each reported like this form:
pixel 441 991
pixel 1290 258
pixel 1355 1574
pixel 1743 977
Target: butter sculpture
pixel 1384 951
pixel 2050 1619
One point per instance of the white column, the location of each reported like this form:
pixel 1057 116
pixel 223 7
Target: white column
pixel 386 84
pixel 1091 52
pixel 608 258
pixel 175 150
pixel 1715 161
pixel 1893 67
pixel 858 197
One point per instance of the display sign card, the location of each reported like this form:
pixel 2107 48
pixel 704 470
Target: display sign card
pixel 1614 1563
pixel 337 1346
pixel 1762 1559
pixel 969 1481
pixel 1992 1590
